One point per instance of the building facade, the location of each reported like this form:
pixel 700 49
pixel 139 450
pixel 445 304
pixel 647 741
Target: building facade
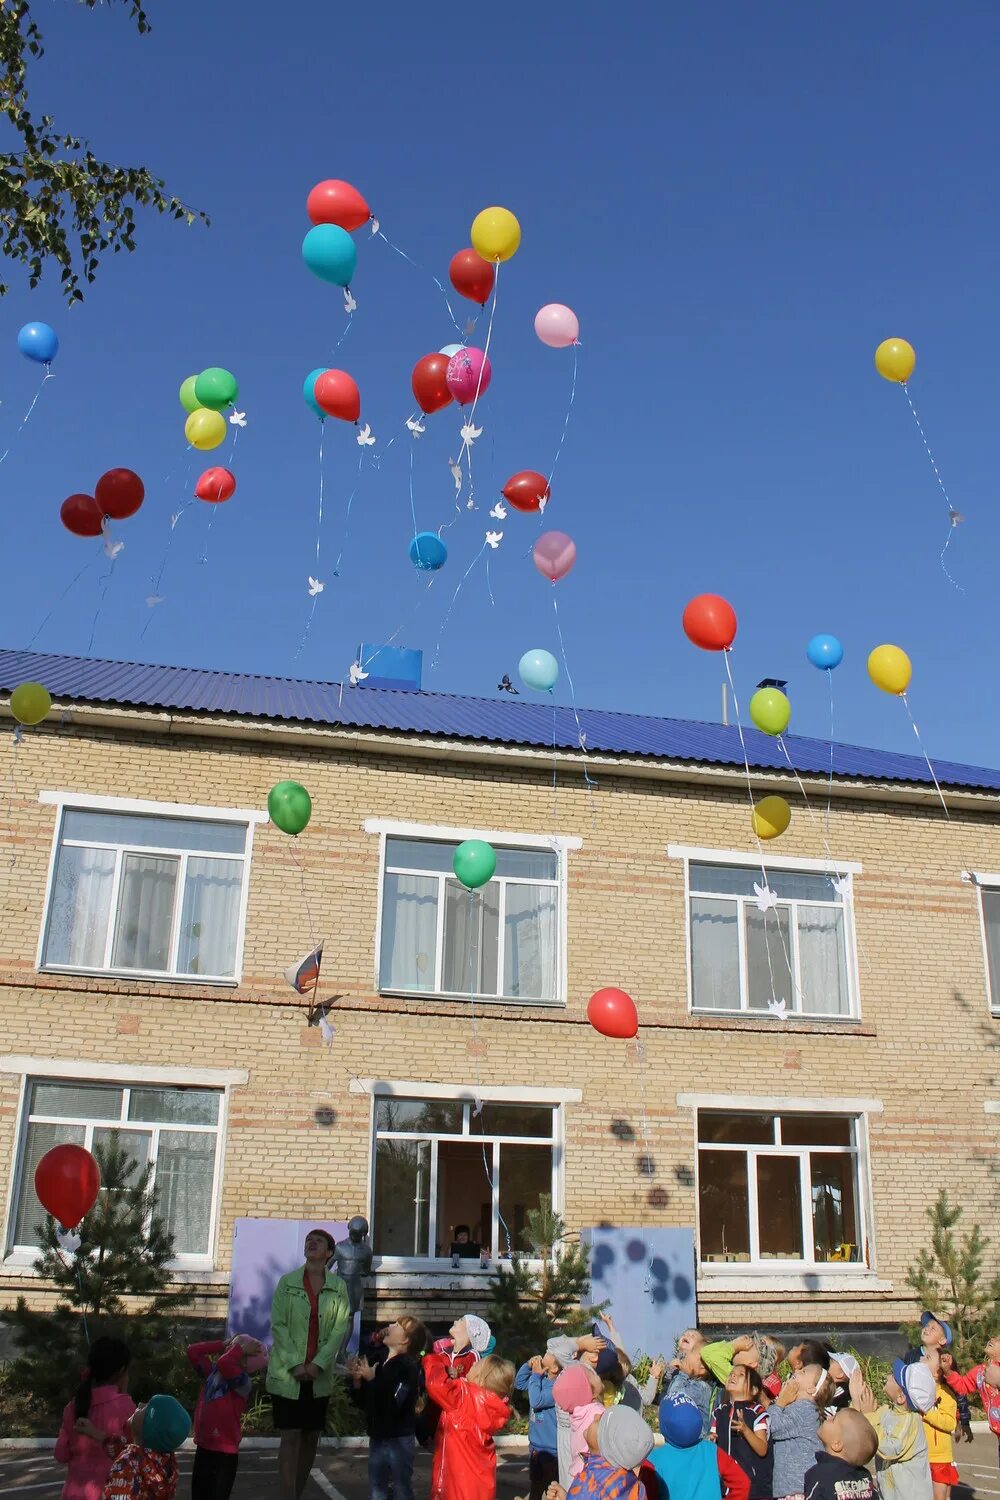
pixel 817 1052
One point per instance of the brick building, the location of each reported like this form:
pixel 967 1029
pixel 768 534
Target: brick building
pixel 149 909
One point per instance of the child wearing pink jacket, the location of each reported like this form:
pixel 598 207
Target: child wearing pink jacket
pixel 226 1366
pixel 93 1429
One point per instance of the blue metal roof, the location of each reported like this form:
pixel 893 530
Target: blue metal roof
pixel 505 721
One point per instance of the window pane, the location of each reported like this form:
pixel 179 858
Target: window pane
pixel 78 912
pixel 464 1192
pixel 529 942
pixel 528 864
pixel 823 961
pixel 779 1207
pixel 174 1106
pixel 409 933
pixel 991 920
pixel 834 1216
pixel 145 912
pixel 210 917
pixel 402 1192
pixel 817 1130
pixel 745 1130
pixel 185 1166
pixel 513 1119
pixel 723 1216
pixel 134 1143
pixel 715 955
pixel 439 1115
pixel 525 1174
pixel 471 939
pixel 739 880
pixel 81 1101
pixel 427 854
pixel 768 957
pixel 160 833
pixel 40 1138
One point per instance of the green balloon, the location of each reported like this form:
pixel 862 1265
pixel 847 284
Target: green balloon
pixel 189 400
pixel 216 389
pixel 289 806
pixel 770 710
pixel 475 863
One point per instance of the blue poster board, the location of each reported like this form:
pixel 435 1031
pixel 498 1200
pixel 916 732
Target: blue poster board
pixel 647 1276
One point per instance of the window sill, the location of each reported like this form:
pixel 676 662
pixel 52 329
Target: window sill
pixel 412 1271
pixel 141 976
pixel 735 1277
pixel 194 1271
pixel 446 997
pixel 751 1020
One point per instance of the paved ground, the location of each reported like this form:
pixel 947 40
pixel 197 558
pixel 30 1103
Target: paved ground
pixel 341 1476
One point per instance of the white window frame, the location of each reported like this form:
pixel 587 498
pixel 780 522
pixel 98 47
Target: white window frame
pixel 381 1088
pixel 842 869
pixel 19 1261
pixel 790 1275
pixel 82 802
pixel 989 882
pixel 431 833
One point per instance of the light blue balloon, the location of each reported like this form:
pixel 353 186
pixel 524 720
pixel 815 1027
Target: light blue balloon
pixel 451 350
pixel 308 387
pixel 825 652
pixel 330 253
pixel 39 342
pixel 539 670
pixel 428 552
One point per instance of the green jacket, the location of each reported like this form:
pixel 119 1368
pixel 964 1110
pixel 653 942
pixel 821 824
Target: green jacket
pixel 290 1330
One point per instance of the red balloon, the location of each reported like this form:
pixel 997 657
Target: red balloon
pixel 613 1013
pixel 429 384
pixel 336 202
pixel 67 1181
pixel 710 622
pixel 82 515
pixel 119 493
pixel 527 490
pixel 216 484
pixel 337 393
pixel 471 276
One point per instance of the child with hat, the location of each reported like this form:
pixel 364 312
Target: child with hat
pixel 689 1466
pixel 935 1334
pixel 901 1464
pixel 620 1442
pixel 473 1408
pixel 577 1391
pixel 147 1469
pixel 226 1367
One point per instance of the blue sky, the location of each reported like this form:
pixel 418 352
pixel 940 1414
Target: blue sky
pixel 738 200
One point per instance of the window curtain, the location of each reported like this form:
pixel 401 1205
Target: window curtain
pixel 769 957
pixel 81 899
pixel 823 961
pixel 41 1138
pixel 529 945
pixel 409 932
pixel 185 1167
pixel 715 954
pixel 145 912
pixel 210 918
pixel 471 939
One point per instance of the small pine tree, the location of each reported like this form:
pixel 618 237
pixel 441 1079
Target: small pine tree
pixel 116 1284
pixel 950 1278
pixel 528 1307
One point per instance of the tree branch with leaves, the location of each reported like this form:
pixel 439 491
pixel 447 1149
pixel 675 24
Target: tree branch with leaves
pixel 58 201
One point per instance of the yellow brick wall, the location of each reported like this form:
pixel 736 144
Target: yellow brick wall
pixel 926 1044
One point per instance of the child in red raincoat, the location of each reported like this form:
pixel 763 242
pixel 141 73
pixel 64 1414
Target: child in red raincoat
pixel 473 1408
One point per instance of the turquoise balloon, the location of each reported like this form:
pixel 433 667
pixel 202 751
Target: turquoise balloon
pixel 330 254
pixel 474 863
pixel 451 350
pixel 428 552
pixel 539 670
pixel 308 389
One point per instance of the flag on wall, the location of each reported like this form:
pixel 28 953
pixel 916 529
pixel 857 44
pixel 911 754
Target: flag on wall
pixel 304 976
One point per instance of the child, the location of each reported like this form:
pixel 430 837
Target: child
pixel 388 1391
pixel 578 1391
pixel 688 1466
pixel 839 1473
pixel 740 1428
pixel 984 1379
pixel 93 1427
pixel 935 1333
pixel 537 1376
pixel 473 1408
pixel 901 1465
pixel 620 1442
pixel 793 1421
pixel 939 1424
pixel 147 1469
pixel 949 1367
pixel 469 1338
pixel 590 1349
pixel 226 1367
pixel 626 1390
pixel 841 1368
pixel 809 1352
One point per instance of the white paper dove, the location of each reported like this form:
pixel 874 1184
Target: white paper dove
pixel 237 418
pixel 357 674
pixel 326 1031
pixel 416 427
pixel 316 586
pixel 154 599
pixel 842 885
pixel 68 1241
pixel 366 438
pixel 456 474
pixel 778 1009
pixel 766 898
pixel 955 516
pixel 499 511
pixel 350 301
pixel 112 548
pixel 470 433
pixel 493 539
pixel 543 501
pixel 477 1105
pixel 375 225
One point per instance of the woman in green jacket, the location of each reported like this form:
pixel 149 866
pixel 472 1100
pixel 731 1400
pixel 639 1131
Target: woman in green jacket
pixel 310 1313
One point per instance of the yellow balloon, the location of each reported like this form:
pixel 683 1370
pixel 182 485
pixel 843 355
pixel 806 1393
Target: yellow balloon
pixel 495 234
pixel 205 429
pixel 895 359
pixel 770 817
pixel 30 703
pixel 890 669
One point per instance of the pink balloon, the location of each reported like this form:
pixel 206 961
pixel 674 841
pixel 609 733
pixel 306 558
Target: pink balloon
pixel 554 554
pixel 557 325
pixel 469 374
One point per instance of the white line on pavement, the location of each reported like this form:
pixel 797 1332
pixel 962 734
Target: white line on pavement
pixel 330 1490
pixel 51 1484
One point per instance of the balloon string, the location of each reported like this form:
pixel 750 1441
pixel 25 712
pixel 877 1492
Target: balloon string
pixel 347 517
pixel 303 891
pixel 477 1111
pixel 395 634
pixel 565 427
pixel 319 533
pixel 379 234
pixel 953 516
pixel 470 420
pixel 829 784
pixel 555 771
pixel 155 580
pixel 24 420
pixel 11 792
pixel 451 606
pixel 413 508
pixel 69 587
pixel 647 1154
pixel 347 328
pixel 930 767
pixel 581 737
pixel 103 582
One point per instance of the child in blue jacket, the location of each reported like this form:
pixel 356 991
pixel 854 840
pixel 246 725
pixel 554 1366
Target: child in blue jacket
pixel 536 1376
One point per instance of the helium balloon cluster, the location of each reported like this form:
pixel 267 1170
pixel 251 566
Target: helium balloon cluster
pixel 205 397
pixel 38 342
pixel 332 393
pixel 117 495
pixel 336 210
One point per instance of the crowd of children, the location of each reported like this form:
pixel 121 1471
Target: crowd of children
pixel 732 1428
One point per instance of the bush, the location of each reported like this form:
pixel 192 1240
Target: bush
pixel 951 1279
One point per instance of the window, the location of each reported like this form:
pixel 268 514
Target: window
pixel 501 942
pixel 177 1129
pixel 779 1188
pixel 797 952
pixel 139 893
pixel 989 899
pixel 438 1164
